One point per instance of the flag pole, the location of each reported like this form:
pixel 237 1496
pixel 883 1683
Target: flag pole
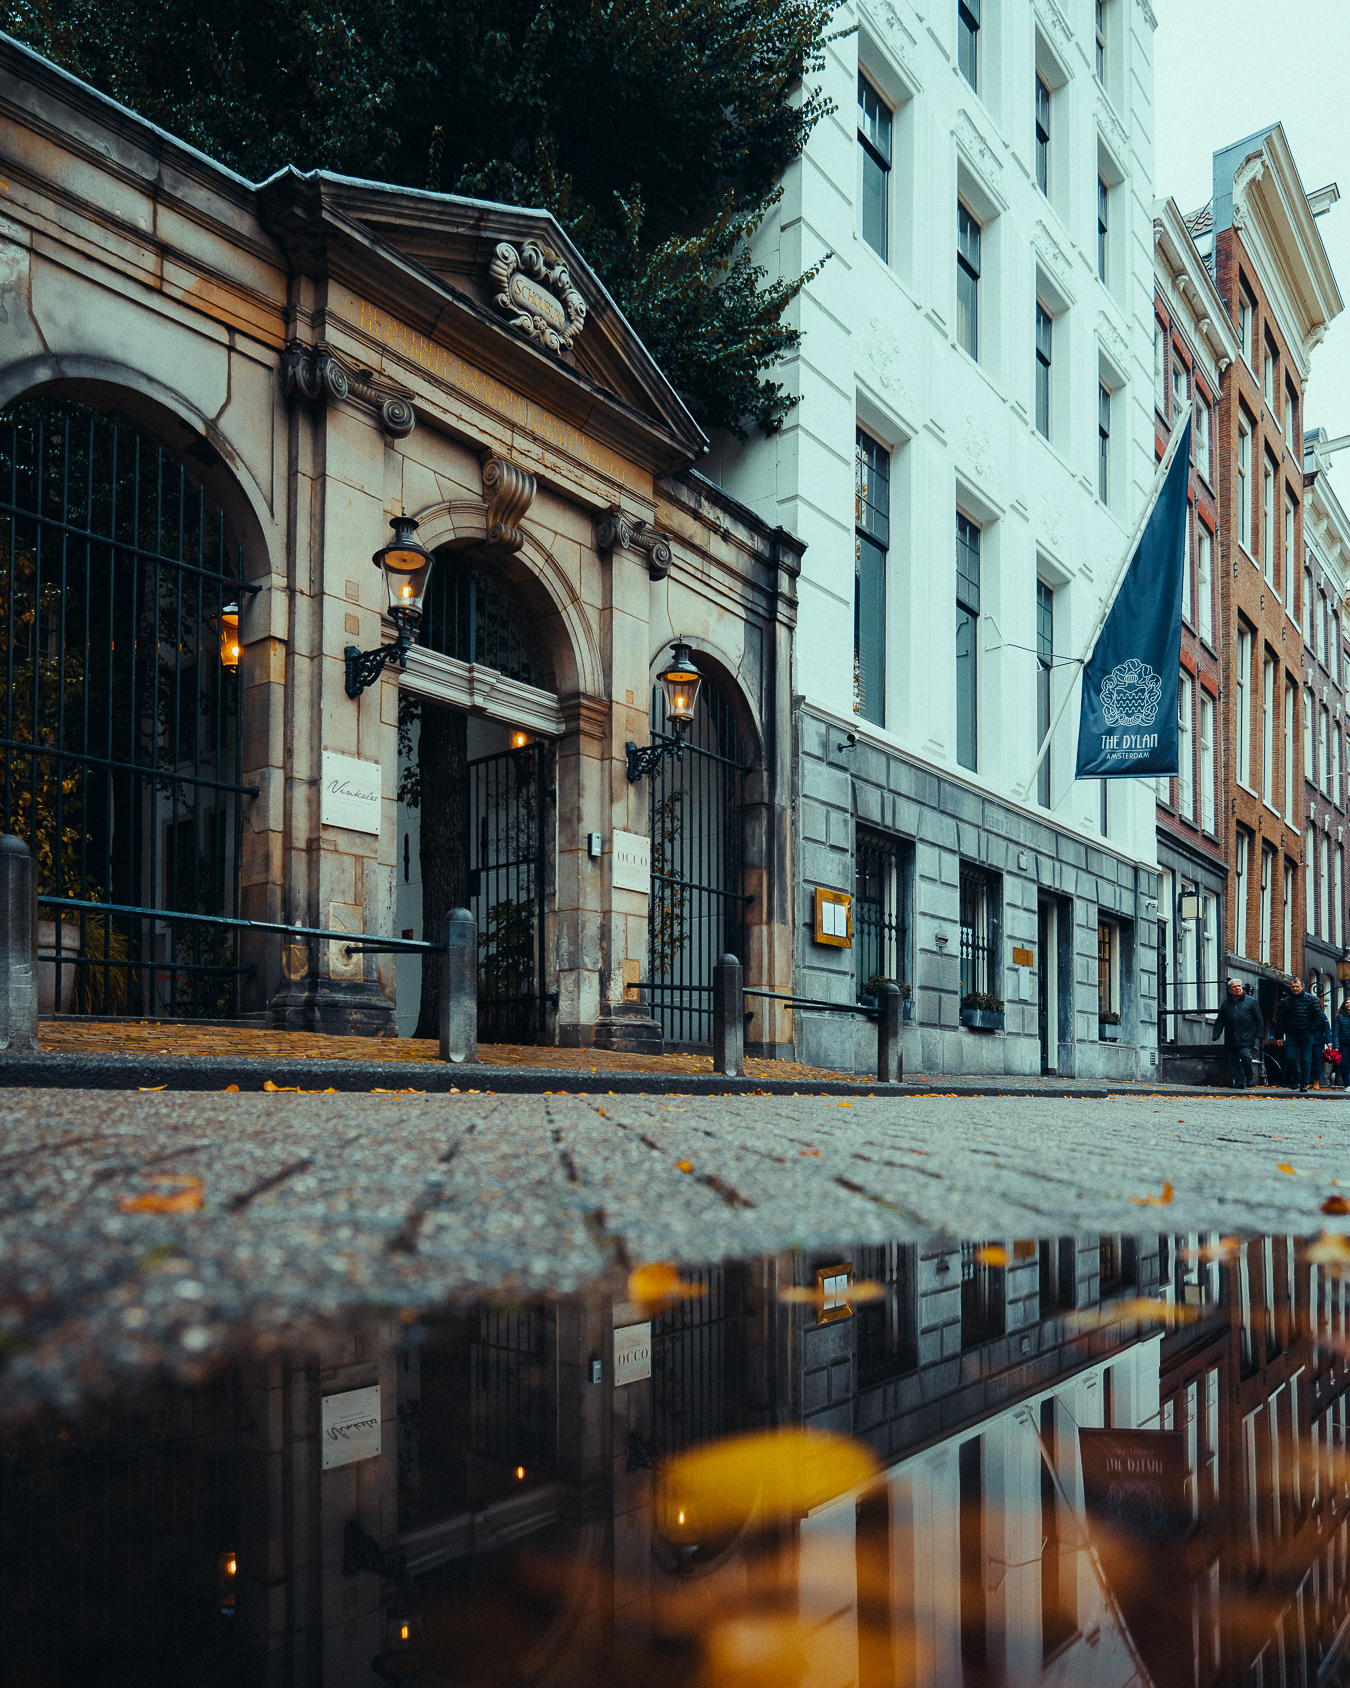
pixel 1109 600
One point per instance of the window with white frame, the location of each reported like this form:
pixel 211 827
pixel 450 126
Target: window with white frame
pixel 1267 875
pixel 1268 376
pixel 968 234
pixel 1103 224
pixel 1324 748
pixel 874 167
pixel 1320 627
pixel 1287 953
pixel 1185 804
pixel 1334 654
pixel 1336 766
pixel 1309 767
pixel 1045 342
pixel 1205 582
pixel 1179 387
pixel 1240 893
pixel 1103 442
pixel 1310 877
pixel 1338 900
pixel 1290 413
pixel 1245 322
pixel 1206 761
pixel 968 41
pixel 1287 555
pixel 1042 134
pixel 1159 367
pixel 871 540
pixel 1100 7
pixel 1186 567
pixel 967 640
pixel 1289 699
pixel 1268 523
pixel 1244 718
pixel 1307 607
pixel 1244 487
pixel 1267 729
pixel 1209 971
pixel 1200 437
pixel 1324 889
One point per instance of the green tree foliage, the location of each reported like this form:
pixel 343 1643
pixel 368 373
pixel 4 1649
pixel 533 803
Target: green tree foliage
pixel 655 130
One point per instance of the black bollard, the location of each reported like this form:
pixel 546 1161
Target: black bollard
pixel 728 1018
pixel 889 1064
pixel 459 988
pixel 18 949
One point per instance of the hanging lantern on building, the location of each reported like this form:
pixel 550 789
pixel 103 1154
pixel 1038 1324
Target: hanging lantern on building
pixel 229 637
pixel 681 681
pixel 406 566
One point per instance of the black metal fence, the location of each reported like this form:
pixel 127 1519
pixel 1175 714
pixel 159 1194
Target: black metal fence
pixel 697 809
pixel 121 730
pixel 881 911
pixel 509 801
pixel 979 922
pixel 698 1361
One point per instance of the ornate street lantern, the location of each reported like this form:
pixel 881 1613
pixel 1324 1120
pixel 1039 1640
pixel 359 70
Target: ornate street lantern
pixel 680 680
pixel 406 567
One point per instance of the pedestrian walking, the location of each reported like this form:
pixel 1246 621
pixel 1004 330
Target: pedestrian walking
pixel 1238 1022
pixel 1342 1033
pixel 1298 1019
pixel 1321 1038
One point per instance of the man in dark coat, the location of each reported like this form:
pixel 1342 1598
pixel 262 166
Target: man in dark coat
pixel 1239 1023
pixel 1342 1031
pixel 1298 1019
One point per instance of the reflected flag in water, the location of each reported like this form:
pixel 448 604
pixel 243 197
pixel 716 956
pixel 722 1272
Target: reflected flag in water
pixel 1127 722
pixel 1134 1494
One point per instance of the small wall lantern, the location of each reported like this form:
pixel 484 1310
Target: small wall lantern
pixel 680 681
pixel 229 637
pixel 406 566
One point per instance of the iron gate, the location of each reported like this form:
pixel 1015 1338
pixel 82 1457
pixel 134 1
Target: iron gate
pixel 698 1362
pixel 120 739
pixel 697 810
pixel 507 795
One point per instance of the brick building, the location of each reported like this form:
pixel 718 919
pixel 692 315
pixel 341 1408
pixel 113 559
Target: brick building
pixel 1194 345
pixel 1263 248
pixel 1326 570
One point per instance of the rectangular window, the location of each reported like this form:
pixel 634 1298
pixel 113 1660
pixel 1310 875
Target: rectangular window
pixel 1287 953
pixel 1307 608
pixel 1324 747
pixel 1268 377
pixel 1103 444
pixel 1336 766
pixel 874 166
pixel 1206 762
pixel 883 897
pixel 1104 807
pixel 1209 973
pixel 1320 627
pixel 1159 367
pixel 1324 926
pixel 1244 487
pixel 968 41
pixel 1186 568
pixel 1244 719
pixel 871 538
pixel 1042 135
pixel 1338 936
pixel 1045 656
pixel 1185 805
pixel 1045 329
pixel 1206 586
pixel 1101 41
pixel 1310 878
pixel 1103 225
pixel 1268 523
pixel 1290 415
pixel 1268 730
pixel 1246 313
pixel 1287 555
pixel 1240 894
pixel 1179 389
pixel 967 634
pixel 1059 1594
pixel 1289 695
pixel 967 281
pixel 979 932
pixel 1267 874
pixel 1201 435
pixel 1309 767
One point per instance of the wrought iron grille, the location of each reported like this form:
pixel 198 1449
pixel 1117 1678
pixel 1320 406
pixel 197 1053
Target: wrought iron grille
pixel 697 810
pixel 979 916
pixel 887 1328
pixel 116 1536
pixel 509 800
pixel 982 1294
pixel 468 616
pixel 121 736
pixel 881 907
pixel 698 1362
pixel 513 1409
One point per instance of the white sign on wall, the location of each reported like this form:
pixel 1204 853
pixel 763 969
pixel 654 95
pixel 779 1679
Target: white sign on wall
pixel 632 1353
pixel 350 793
pixel 350 1426
pixel 632 862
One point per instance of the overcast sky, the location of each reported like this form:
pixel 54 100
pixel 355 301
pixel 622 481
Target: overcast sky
pixel 1223 68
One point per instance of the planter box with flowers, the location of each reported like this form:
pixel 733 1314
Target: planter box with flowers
pixel 1108 1027
pixel 867 997
pixel 982 1012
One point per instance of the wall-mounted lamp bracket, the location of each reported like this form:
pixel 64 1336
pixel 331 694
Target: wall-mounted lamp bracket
pixel 647 761
pixel 365 667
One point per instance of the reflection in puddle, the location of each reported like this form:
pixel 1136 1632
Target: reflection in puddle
pixel 1062 1461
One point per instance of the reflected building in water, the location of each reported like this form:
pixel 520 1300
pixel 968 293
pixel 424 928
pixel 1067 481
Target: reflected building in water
pixel 480 1498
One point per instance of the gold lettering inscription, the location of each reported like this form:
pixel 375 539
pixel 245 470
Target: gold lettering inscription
pixel 446 366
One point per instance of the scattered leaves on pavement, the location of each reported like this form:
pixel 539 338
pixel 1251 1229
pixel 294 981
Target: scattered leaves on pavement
pixel 1164 1200
pixel 992 1255
pixel 1336 1205
pixel 1284 1166
pixel 180 1195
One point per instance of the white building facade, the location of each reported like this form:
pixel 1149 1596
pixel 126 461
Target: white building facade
pixel 971 445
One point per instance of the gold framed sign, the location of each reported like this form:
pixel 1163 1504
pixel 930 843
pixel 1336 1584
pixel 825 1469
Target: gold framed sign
pixel 834 1294
pixel 834 918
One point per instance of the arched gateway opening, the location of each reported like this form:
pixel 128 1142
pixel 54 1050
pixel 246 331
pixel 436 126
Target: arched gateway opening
pixel 477 806
pixel 120 727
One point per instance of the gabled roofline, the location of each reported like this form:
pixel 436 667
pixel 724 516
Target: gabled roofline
pixel 1174 242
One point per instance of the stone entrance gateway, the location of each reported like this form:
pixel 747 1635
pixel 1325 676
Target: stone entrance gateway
pixel 308 358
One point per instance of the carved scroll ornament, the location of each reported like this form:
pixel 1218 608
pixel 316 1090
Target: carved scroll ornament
pixel 318 374
pixel 538 296
pixel 508 493
pixel 616 531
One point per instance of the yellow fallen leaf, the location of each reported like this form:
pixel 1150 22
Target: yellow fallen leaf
pixel 1330 1249
pixel 781 1474
pixel 1164 1200
pixel 657 1280
pixel 685 1166
pixel 846 1104
pixel 232 1087
pixel 1284 1166
pixel 152 1087
pixel 268 1085
pixel 1132 1307
pixel 992 1255
pixel 187 1196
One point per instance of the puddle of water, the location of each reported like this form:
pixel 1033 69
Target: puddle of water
pixel 1068 1460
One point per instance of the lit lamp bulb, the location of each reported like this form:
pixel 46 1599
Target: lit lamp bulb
pixel 520 1471
pixel 519 741
pixel 229 637
pixel 681 681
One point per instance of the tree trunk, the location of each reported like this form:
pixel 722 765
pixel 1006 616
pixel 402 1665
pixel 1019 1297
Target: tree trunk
pixel 443 767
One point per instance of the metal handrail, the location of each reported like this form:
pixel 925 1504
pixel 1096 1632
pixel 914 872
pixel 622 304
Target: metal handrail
pixel 415 945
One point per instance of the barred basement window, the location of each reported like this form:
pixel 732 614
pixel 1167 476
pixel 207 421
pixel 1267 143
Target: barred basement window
pixel 982 1294
pixel 979 928
pixel 881 909
pixel 887 1327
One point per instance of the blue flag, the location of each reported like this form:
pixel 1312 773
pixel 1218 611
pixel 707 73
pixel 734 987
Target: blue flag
pixel 1127 722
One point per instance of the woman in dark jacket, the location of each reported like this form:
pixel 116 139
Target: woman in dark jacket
pixel 1341 1032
